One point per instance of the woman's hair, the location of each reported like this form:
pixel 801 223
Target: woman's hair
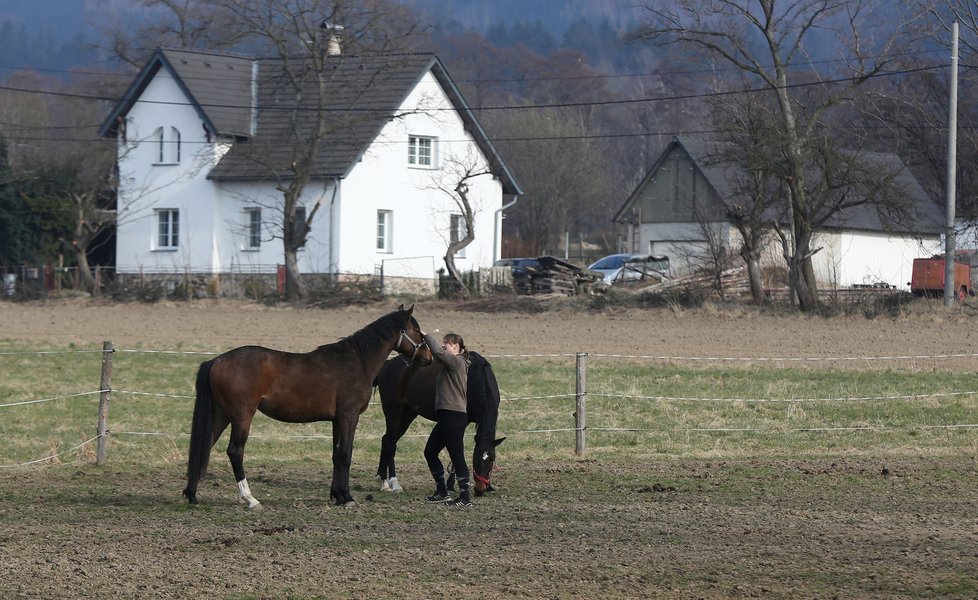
pixel 454 338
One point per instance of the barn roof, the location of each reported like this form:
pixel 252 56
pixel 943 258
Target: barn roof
pixel 922 216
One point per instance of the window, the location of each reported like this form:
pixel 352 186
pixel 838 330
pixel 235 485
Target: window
pixel 457 233
pixel 253 228
pixel 167 142
pixel 421 151
pixel 385 223
pixel 168 228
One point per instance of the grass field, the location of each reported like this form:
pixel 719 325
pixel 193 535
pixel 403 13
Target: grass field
pixel 765 480
pixel 641 406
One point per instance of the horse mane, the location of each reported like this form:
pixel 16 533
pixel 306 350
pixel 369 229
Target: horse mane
pixel 374 335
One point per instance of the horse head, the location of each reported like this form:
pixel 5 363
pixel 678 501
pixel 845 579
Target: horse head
pixel 411 345
pixel 483 460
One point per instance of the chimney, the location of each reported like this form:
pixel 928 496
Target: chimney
pixel 332 33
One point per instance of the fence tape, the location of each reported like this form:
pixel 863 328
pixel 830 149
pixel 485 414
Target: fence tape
pixel 773 400
pixel 788 359
pixel 38 352
pixel 51 456
pixel 52 399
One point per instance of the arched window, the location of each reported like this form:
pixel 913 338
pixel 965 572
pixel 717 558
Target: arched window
pixel 166 142
pixel 159 143
pixel 174 144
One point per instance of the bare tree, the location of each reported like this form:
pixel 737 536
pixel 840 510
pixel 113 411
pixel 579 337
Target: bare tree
pixel 307 59
pixel 763 39
pixel 563 171
pixel 455 182
pixel 747 149
pixel 200 24
pixel 61 160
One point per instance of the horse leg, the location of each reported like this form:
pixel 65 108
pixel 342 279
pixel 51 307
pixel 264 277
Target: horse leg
pixel 343 431
pixel 396 428
pixel 236 446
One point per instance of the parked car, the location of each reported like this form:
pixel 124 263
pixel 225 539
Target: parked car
pixel 620 269
pixel 518 265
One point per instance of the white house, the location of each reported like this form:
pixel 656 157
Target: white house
pixel 684 194
pixel 203 141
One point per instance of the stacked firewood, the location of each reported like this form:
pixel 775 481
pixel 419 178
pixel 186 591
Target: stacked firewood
pixel 553 276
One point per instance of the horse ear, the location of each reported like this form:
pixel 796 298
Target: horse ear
pixel 410 310
pixel 499 441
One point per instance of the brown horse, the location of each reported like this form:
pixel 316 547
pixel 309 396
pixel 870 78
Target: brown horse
pixel 331 383
pixel 408 390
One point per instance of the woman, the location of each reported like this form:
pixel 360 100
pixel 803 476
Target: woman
pixel 451 418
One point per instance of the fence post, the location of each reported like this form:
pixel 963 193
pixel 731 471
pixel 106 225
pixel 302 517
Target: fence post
pixel 580 411
pixel 103 402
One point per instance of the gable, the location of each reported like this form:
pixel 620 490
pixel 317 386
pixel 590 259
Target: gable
pixel 676 190
pixel 218 86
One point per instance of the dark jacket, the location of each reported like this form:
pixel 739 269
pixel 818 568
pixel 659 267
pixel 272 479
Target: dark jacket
pixel 483 393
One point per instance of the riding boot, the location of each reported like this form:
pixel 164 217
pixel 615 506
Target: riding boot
pixel 441 491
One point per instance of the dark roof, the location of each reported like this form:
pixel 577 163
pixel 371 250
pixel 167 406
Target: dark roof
pixel 923 216
pixel 218 85
pixel 363 96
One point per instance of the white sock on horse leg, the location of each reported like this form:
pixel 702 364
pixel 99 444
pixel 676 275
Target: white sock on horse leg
pixel 244 492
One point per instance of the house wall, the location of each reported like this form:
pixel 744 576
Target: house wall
pixel 232 246
pixel 847 258
pixel 383 180
pixel 146 185
pixel 865 258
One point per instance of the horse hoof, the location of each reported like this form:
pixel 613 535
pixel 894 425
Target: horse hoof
pixel 349 504
pixel 385 486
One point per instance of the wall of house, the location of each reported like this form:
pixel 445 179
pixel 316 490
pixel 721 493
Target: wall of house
pixel 233 249
pixel 146 184
pixel 866 258
pixel 383 180
pixel 846 259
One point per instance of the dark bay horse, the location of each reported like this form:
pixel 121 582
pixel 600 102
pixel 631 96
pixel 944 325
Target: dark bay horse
pixel 331 383
pixel 408 390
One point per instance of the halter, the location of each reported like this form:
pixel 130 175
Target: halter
pixel 417 347
pixel 480 478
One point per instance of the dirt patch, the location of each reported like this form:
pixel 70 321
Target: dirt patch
pixel 556 327
pixel 559 527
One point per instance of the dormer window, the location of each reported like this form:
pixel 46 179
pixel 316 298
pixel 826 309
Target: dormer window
pixel 166 141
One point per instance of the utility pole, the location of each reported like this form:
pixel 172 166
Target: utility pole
pixel 952 156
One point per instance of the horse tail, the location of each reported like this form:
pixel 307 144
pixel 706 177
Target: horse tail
pixel 201 432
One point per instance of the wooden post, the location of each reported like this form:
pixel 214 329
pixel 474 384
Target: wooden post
pixel 103 402
pixel 580 412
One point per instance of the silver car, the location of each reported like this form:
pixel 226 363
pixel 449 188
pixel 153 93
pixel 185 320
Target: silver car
pixel 619 269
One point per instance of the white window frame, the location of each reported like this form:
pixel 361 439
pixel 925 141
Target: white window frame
pixel 456 227
pixel 167 234
pixel 252 229
pixel 423 152
pixel 385 231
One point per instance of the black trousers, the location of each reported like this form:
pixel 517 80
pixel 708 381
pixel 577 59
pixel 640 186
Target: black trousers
pixel 448 433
